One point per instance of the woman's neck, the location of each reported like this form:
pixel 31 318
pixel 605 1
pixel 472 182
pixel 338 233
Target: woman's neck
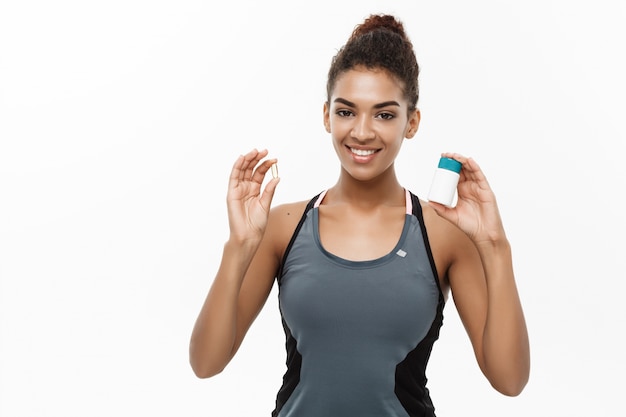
pixel 381 191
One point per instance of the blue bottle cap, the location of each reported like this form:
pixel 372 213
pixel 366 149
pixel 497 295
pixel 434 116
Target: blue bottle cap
pixel 449 164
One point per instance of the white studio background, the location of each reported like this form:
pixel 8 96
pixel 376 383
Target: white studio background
pixel 120 120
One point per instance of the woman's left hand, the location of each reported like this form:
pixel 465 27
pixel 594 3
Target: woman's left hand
pixel 476 212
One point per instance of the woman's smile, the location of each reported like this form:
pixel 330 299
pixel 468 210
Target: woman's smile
pixel 362 156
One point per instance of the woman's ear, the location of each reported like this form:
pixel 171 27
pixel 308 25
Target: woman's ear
pixel 327 117
pixel 413 124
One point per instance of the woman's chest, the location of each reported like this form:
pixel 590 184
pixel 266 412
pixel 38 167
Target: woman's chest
pixel 360 237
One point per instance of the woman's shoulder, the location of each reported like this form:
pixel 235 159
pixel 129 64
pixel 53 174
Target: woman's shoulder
pixel 283 220
pixel 437 225
pixel 448 243
pixel 442 234
pixel 289 211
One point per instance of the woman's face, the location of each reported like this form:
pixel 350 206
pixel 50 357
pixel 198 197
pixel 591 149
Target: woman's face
pixel 367 117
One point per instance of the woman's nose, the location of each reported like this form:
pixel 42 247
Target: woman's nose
pixel 362 129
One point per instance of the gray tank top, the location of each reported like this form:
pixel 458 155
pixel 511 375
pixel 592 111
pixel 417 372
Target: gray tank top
pixel 358 334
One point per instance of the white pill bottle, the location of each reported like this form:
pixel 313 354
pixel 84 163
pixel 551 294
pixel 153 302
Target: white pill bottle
pixel 443 187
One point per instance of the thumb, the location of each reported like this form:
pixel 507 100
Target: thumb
pixel 441 210
pixel 268 192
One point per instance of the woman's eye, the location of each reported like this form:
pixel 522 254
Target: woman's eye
pixel 386 116
pixel 344 113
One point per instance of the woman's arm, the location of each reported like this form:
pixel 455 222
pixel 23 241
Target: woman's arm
pixel 483 283
pixel 246 272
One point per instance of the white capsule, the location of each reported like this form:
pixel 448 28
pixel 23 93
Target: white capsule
pixel 275 170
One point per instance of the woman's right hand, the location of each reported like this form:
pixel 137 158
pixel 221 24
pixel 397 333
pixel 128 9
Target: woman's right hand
pixel 248 207
pixel 228 311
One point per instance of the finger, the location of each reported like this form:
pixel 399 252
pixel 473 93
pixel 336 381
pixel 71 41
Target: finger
pixel 252 159
pixel 471 170
pixel 459 158
pixel 261 170
pixel 248 159
pixel 456 156
pixel 475 173
pixel 243 168
pixel 446 212
pixel 236 171
pixel 268 193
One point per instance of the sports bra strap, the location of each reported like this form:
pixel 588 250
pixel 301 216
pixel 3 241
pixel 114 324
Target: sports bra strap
pixel 409 202
pixel 319 199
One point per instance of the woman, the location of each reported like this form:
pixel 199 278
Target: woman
pixel 365 267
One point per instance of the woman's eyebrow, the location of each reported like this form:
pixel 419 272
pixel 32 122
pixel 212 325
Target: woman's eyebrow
pixel 344 101
pixel 376 106
pixel 386 104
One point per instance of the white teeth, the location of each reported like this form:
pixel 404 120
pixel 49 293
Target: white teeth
pixel 362 152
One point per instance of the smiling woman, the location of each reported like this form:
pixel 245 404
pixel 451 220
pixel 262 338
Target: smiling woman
pixel 375 118
pixel 365 267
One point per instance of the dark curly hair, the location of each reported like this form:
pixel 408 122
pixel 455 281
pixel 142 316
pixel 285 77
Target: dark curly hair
pixel 380 42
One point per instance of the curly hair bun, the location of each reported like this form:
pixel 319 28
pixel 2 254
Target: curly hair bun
pixel 379 21
pixel 379 42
